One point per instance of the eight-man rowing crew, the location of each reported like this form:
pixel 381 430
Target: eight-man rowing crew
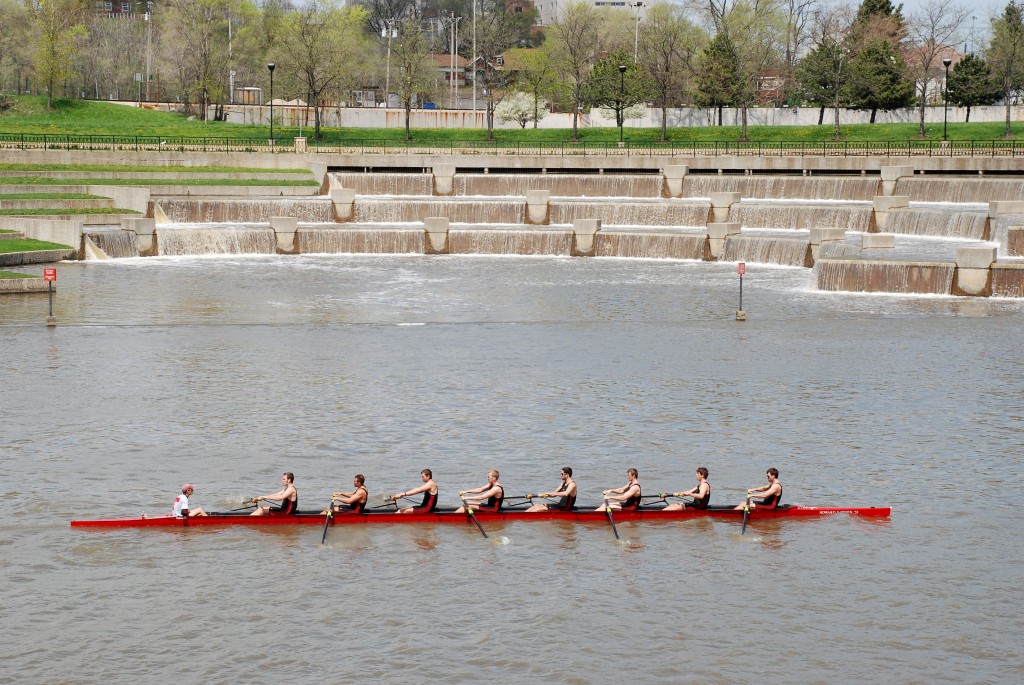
pixel 490 497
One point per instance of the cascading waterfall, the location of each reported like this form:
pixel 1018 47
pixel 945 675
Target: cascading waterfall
pixel 626 213
pixel 964 189
pixel 407 210
pixel 801 216
pixel 223 240
pixel 936 222
pixel 805 187
pixel 510 242
pixel 650 246
pixel 571 185
pixel 862 275
pixel 212 210
pixel 767 250
pixel 116 244
pixel 385 184
pixel 361 240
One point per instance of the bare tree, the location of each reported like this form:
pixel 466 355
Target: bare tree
pixel 58 34
pixel 575 41
pixel 668 46
pixel 410 53
pixel 799 19
pixel 931 30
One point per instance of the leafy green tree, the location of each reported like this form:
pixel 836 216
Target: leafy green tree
pixel 612 87
pixel 532 71
pixel 573 43
pixel 1006 54
pixel 821 73
pixel 718 76
pixel 15 50
pixel 932 27
pixel 878 79
pixel 59 29
pixel 971 83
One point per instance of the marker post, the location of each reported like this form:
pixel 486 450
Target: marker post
pixel 50 275
pixel 741 269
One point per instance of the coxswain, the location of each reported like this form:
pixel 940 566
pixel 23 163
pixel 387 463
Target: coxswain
pixel 486 498
pixel 352 502
pixel 770 495
pixel 429 490
pixel 626 498
pixel 701 493
pixel 566 494
pixel 181 508
pixel 288 496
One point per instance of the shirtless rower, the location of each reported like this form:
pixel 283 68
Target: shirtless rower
pixel 288 496
pixel 566 494
pixel 701 494
pixel 770 495
pixel 429 490
pixel 181 507
pixel 353 502
pixel 626 498
pixel 487 497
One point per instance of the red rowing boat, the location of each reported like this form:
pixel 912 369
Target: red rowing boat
pixel 643 514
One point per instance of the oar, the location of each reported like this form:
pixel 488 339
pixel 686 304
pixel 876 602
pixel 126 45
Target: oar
pixel 469 510
pixel 327 520
pixel 611 520
pixel 746 513
pixel 250 505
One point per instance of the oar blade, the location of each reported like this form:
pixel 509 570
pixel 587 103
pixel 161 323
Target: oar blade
pixel 611 519
pixel 327 521
pixel 746 514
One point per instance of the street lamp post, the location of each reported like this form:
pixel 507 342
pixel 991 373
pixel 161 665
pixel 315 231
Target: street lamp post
pixel 270 67
pixel 621 109
pixel 946 61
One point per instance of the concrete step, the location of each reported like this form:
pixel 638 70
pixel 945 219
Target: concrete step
pixel 270 175
pixel 62 204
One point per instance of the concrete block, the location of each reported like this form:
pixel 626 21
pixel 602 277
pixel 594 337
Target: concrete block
pixel 583 231
pixel 883 203
pixel 975 257
pixel 894 173
pixel 823 235
pixel 284 230
pixel 300 145
pixel 674 175
pixel 537 206
pixel 872 241
pixel 436 229
pixel 720 231
pixel 444 179
pixel 724 199
pixel 1015 241
pixel 344 200
pixel 1000 207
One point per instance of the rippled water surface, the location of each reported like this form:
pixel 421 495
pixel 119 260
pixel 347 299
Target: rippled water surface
pixel 228 371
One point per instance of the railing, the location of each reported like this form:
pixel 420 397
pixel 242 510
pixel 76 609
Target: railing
pixel 911 148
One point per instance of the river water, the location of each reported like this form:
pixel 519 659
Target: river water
pixel 227 371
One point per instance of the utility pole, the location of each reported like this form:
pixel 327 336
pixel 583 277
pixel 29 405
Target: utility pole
pixel 473 65
pixel 149 48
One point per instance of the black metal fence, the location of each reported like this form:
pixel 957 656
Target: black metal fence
pixel 911 148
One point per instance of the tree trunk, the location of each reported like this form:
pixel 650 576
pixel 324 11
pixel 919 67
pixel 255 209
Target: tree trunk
pixel 1006 95
pixel 316 118
pixel 720 115
pixel 874 111
pixel 835 108
pixel 968 119
pixel 743 123
pixel 575 115
pixel 821 115
pixel 920 111
pixel 664 122
pixel 408 116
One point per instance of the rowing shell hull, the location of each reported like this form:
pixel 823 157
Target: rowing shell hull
pixel 314 519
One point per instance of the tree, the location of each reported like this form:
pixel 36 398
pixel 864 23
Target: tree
pixel 575 41
pixel 878 79
pixel 532 70
pixel 932 28
pixel 58 31
pixel 611 87
pixel 718 76
pixel 822 71
pixel 410 53
pixel 15 53
pixel 1006 54
pixel 521 108
pixel 971 83
pixel 497 30
pixel 322 43
pixel 668 48
pixel 799 18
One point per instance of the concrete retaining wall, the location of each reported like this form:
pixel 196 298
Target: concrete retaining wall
pixel 24 285
pixel 36 257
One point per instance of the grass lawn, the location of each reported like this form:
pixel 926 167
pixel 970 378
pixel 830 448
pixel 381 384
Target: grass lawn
pixel 99 168
pixel 29 115
pixel 62 211
pixel 14 274
pixel 28 244
pixel 49 196
pixel 45 181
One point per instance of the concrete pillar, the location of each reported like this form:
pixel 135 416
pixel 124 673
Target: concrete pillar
pixel 882 205
pixel 891 174
pixel 825 235
pixel 974 271
pixel 285 228
pixel 444 179
pixel 583 232
pixel 674 175
pixel 721 203
pixel 1001 207
pixel 717 234
pixel 344 200
pixel 873 241
pixel 537 206
pixel 436 228
pixel 145 231
pixel 1015 241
